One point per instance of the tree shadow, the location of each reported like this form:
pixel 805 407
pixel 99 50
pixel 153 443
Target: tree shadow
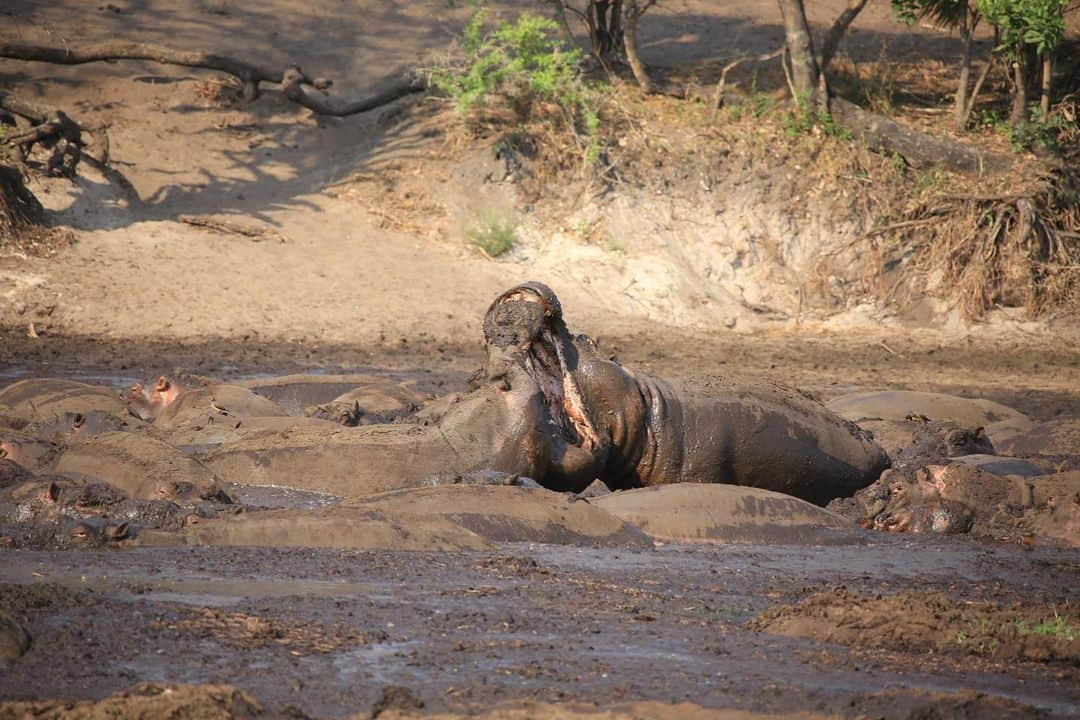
pixel 269 154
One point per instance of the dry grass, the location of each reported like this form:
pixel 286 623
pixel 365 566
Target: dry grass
pixel 218 93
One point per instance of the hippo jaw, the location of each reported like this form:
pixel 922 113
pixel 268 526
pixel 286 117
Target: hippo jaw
pixel 524 326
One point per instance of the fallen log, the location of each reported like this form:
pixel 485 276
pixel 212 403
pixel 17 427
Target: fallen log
pixel 919 149
pixel 292 81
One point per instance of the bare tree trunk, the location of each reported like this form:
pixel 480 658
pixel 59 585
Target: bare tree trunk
pixel 836 32
pixel 618 38
pixel 970 107
pixel 967 30
pixel 1047 74
pixel 633 14
pixel 800 45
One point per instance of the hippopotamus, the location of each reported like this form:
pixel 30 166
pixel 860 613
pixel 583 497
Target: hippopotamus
pixel 553 410
pixel 962 496
pixel 147 402
pixel 628 429
pixel 38 400
pixel 493 428
pixel 376 402
pixel 142 467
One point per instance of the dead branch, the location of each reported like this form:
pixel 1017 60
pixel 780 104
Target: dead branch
pixel 303 91
pixel 634 12
pixel 836 32
pixel 49 127
pixel 296 86
pixel 718 94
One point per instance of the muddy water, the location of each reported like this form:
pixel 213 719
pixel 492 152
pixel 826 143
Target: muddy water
pixel 324 631
pixel 332 628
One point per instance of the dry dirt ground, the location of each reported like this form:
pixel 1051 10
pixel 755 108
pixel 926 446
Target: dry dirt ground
pixel 339 281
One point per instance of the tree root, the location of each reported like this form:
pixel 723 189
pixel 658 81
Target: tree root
pixel 1010 250
pixel 23 230
pixel 53 130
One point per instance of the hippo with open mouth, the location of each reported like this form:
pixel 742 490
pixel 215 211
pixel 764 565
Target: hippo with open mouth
pixel 628 429
pixel 553 410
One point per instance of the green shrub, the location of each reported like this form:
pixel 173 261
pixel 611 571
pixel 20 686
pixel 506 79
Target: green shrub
pixel 1039 132
pixel 805 118
pixel 525 53
pixel 523 62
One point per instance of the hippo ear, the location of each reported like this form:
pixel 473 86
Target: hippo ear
pixel 78 420
pixel 54 492
pixel 162 384
pixel 118 532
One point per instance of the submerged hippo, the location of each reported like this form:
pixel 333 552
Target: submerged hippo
pixel 632 430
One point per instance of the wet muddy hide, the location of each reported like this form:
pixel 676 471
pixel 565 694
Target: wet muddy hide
pixel 487 429
pixel 370 404
pixel 224 404
pixel 885 408
pixel 71 427
pixel 1056 441
pixel 715 513
pixel 142 467
pixel 442 518
pixel 631 430
pixel 40 400
pixel 202 434
pixel 27 450
pixel 300 392
pixel 962 498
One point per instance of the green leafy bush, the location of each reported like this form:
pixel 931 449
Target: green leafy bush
pixel 522 55
pixel 1039 132
pixel 519 64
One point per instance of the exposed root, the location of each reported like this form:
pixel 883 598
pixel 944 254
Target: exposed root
pixel 1011 250
pixel 22 223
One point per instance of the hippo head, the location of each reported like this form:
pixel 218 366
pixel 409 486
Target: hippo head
pixel 146 403
pixel 91 532
pixel 26 450
pixel 69 427
pixel 524 327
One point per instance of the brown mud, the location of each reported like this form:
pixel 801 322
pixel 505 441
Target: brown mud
pixel 326 630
